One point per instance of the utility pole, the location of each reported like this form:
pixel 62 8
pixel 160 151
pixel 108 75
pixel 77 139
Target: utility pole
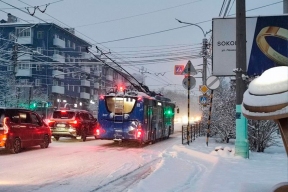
pixel 204 55
pixel 14 58
pixel 142 71
pixel 285 6
pixel 241 144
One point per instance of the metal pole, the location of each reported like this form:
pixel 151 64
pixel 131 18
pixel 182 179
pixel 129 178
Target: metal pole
pixel 285 6
pixel 209 118
pixel 15 55
pixel 204 52
pixel 241 144
pixel 188 100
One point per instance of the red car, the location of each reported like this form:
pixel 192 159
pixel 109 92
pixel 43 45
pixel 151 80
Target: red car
pixel 20 128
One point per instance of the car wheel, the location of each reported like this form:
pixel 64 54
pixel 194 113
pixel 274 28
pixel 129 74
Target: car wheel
pixel 56 138
pixel 83 135
pixel 16 147
pixel 45 143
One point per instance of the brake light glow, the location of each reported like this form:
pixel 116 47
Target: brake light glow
pixel 74 122
pixel 97 132
pixel 50 122
pixel 139 98
pixel 6 128
pixel 63 111
pixel 139 133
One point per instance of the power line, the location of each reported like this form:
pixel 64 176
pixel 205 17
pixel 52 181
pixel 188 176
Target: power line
pixel 141 14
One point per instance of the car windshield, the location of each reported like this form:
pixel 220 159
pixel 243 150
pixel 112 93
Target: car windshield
pixel 63 114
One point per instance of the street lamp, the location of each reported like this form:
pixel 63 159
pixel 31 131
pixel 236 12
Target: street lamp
pixel 204 50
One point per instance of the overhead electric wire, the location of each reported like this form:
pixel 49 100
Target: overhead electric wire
pixel 140 35
pixel 141 14
pixel 34 6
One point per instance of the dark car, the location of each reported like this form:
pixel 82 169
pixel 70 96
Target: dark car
pixel 72 123
pixel 20 128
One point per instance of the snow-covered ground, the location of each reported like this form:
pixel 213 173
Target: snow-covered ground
pixel 196 167
pixel 95 165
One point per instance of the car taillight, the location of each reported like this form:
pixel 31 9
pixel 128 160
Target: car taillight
pixel 99 130
pixel 5 123
pixel 74 122
pixel 50 123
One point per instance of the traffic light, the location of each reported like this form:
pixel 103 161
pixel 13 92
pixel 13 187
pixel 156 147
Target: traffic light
pixel 168 112
pixel 33 106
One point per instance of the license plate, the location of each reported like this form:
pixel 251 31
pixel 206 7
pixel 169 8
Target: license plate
pixel 61 125
pixel 61 129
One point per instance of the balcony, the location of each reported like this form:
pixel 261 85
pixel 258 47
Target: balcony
pixel 58 89
pixel 96 85
pixel 58 42
pixel 59 58
pixel 109 77
pixel 84 95
pixel 86 56
pixel 25 56
pixel 85 69
pixel 24 73
pixel 58 74
pixel 85 83
pixel 25 40
pixel 97 73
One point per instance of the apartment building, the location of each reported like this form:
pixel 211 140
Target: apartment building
pixel 54 59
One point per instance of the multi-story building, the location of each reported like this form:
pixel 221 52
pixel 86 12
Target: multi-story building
pixel 54 59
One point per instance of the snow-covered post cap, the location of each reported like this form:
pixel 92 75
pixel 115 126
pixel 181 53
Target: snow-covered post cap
pixel 267 96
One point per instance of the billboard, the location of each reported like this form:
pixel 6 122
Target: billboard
pixel 266 44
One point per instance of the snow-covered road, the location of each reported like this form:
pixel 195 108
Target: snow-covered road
pixel 71 165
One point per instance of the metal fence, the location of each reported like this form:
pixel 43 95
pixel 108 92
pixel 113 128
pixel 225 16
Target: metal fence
pixel 190 133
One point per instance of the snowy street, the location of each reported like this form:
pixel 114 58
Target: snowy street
pixel 71 165
pixel 98 165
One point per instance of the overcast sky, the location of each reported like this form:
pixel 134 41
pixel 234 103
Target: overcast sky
pixel 100 21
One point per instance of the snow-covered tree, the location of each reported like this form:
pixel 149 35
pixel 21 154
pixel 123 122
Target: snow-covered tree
pixel 262 134
pixel 13 94
pixel 223 111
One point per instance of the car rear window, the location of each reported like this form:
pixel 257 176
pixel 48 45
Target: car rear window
pixel 63 114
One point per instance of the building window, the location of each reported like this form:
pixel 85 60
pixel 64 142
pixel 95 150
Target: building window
pixel 24 66
pixel 55 83
pixel 74 46
pixel 40 50
pixel 38 68
pixel 37 82
pixel 62 84
pixel 78 89
pixel 68 44
pixel 40 34
pixel 11 36
pixel 72 87
pixel 68 87
pixel 23 32
pixel 10 68
pixel 24 81
pixel 56 51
